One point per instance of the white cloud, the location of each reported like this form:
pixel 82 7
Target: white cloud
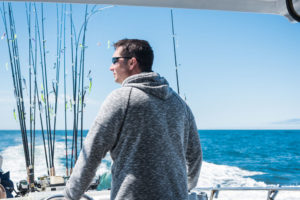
pixel 295 121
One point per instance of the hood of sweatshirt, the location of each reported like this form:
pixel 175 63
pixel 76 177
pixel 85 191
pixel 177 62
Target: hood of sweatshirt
pixel 151 83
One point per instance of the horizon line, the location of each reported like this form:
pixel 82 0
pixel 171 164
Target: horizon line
pixel 212 129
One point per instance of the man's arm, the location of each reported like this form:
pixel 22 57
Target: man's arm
pixel 100 139
pixel 193 155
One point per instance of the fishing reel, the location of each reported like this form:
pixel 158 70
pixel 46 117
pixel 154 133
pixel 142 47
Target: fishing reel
pixel 23 187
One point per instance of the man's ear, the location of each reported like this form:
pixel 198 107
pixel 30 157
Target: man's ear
pixel 133 63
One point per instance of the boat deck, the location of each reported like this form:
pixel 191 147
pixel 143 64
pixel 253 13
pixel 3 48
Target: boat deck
pixel 197 194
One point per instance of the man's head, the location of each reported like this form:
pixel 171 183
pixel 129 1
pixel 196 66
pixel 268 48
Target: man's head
pixel 131 57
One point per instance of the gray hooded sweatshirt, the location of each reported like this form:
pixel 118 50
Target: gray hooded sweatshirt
pixel 153 141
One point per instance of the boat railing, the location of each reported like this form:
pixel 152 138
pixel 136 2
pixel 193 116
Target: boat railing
pixel 214 191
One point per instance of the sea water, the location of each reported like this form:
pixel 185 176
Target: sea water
pixel 232 158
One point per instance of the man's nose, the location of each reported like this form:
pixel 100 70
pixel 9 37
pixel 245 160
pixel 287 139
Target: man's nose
pixel 111 68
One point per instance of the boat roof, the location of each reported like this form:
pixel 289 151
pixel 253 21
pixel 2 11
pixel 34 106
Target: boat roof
pixel 287 8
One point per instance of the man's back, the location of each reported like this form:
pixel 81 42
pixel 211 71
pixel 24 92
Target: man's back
pixel 150 155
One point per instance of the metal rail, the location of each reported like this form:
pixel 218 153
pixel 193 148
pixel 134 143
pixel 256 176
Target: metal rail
pixel 60 196
pixel 272 191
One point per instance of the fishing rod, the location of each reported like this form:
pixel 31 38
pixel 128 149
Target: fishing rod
pixel 73 79
pixel 83 89
pixel 36 92
pixel 17 82
pixel 65 92
pixel 174 48
pixel 35 95
pixel 44 90
pixel 47 105
pixel 82 76
pixel 58 57
pixel 31 106
pixel 19 94
pixel 76 82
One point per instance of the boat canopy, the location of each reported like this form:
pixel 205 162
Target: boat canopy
pixel 287 8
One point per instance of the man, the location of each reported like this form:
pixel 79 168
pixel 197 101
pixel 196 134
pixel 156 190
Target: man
pixel 148 129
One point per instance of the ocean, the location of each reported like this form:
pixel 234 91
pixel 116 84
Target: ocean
pixel 232 158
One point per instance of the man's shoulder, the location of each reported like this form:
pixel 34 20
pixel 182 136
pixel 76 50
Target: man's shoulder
pixel 116 100
pixel 118 95
pixel 120 92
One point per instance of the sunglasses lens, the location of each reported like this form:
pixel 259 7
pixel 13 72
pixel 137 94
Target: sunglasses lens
pixel 114 60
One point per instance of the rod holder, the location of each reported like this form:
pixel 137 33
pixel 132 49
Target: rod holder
pixel 52 171
pixel 30 175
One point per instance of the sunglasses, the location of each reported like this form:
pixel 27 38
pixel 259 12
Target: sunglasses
pixel 114 60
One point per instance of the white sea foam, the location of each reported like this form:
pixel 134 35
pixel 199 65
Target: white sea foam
pixel 227 176
pixel 211 174
pixel 15 163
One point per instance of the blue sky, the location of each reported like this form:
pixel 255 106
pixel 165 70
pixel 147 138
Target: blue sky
pixel 237 70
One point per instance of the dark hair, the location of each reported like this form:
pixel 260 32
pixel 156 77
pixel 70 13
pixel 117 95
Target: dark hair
pixel 140 49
